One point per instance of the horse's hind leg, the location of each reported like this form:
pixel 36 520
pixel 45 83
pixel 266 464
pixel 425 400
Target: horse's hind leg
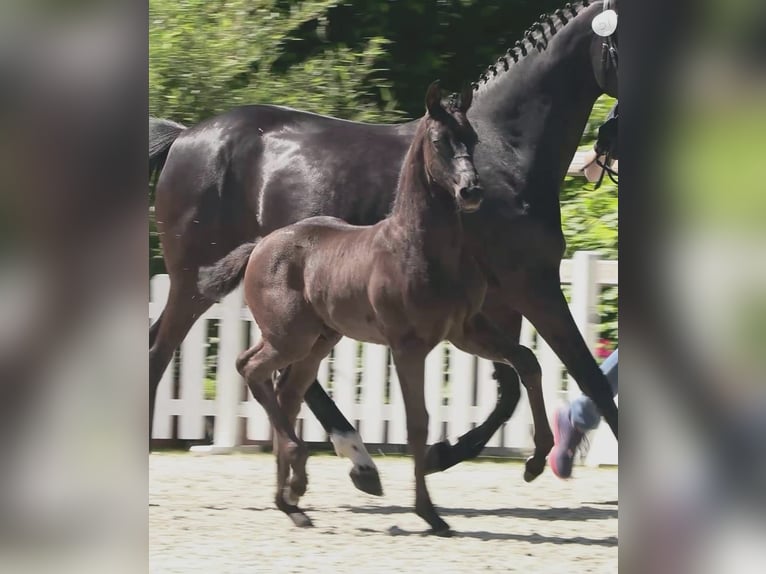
pixel 345 439
pixel 256 365
pixel 183 307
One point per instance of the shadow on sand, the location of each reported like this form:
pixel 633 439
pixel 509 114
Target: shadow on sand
pixel 577 514
pixel 531 538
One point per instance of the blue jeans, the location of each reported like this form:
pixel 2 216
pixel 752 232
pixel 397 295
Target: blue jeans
pixel 583 412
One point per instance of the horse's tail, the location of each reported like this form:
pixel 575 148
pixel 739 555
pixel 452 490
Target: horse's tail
pixel 162 134
pixel 223 276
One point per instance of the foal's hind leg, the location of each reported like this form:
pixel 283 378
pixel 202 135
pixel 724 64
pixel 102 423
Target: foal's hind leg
pixel 290 391
pixel 256 365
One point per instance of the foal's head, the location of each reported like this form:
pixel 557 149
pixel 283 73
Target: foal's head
pixel 448 147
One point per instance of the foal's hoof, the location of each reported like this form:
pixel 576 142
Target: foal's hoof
pixel 367 479
pixel 437 457
pixel 534 468
pixel 295 513
pixel 290 497
pixel 300 519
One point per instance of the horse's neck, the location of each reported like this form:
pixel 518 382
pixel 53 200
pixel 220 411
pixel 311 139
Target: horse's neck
pixel 537 112
pixel 428 217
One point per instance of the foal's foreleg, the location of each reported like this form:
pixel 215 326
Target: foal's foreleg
pixel 410 367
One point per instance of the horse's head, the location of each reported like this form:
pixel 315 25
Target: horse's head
pixel 603 49
pixel 449 143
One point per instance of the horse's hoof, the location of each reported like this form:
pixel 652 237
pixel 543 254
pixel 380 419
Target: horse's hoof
pixel 443 531
pixel 437 457
pixel 300 520
pixel 367 479
pixel 533 468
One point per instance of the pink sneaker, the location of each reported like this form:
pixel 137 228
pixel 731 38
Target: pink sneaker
pixel 566 439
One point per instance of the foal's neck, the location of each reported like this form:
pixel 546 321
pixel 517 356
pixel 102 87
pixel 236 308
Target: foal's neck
pixel 427 214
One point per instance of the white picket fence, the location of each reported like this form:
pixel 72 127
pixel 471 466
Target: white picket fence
pixel 460 391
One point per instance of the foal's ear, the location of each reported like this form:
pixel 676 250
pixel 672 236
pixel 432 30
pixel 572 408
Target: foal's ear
pixel 434 100
pixel 466 98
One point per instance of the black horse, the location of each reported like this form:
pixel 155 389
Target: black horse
pixel 254 169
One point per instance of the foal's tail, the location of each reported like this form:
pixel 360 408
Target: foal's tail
pixel 223 276
pixel 162 134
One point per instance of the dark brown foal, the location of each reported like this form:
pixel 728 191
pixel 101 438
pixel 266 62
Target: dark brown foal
pixel 406 282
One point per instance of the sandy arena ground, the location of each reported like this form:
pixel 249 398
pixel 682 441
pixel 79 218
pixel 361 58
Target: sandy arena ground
pixel 215 514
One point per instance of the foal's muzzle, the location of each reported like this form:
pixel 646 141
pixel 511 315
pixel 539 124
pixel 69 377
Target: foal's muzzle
pixel 469 198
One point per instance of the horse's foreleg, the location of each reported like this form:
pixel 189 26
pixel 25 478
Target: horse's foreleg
pixel 524 361
pixel 484 338
pixel 442 455
pixel 345 439
pixel 410 367
pixel 549 313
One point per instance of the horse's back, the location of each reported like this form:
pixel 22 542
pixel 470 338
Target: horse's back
pixel 257 168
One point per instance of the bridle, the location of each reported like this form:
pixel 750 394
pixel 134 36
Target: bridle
pixel 608 52
pixel 608 48
pixel 605 169
pixel 607 153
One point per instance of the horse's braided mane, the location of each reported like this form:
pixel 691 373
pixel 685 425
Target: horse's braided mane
pixel 534 38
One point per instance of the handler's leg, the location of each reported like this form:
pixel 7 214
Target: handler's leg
pixel 571 422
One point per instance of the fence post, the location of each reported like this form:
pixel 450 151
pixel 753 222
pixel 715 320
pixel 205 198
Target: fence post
pixel 229 380
pixel 584 302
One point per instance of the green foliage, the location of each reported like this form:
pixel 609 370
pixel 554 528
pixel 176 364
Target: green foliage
pixel 450 40
pixel 207 57
pixel 589 217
